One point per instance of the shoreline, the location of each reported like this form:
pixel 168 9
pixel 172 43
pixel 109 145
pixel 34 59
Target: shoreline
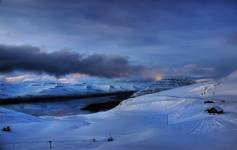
pixel 56 98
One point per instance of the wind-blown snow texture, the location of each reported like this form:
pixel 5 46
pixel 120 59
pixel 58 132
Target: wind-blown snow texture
pixel 172 119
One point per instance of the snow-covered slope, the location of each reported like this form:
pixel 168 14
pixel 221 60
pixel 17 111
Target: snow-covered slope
pixel 168 120
pixel 10 117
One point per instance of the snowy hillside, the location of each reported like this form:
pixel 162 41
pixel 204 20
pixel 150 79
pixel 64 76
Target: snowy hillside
pixel 168 120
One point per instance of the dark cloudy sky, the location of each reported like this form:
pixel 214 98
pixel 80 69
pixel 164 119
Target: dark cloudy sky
pixel 175 36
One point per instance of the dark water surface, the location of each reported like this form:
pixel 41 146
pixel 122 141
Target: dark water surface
pixel 70 106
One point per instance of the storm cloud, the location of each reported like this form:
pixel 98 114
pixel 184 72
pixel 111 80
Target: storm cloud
pixel 157 33
pixel 28 58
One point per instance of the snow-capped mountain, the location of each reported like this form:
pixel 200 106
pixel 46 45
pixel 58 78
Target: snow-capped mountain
pixel 164 84
pixel 34 88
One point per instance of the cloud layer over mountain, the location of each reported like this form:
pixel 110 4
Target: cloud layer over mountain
pixel 28 58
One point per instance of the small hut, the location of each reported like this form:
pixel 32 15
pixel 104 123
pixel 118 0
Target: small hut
pixel 215 110
pixel 6 129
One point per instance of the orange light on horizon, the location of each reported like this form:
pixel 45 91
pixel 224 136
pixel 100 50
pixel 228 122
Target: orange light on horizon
pixel 71 78
pixel 77 75
pixel 158 77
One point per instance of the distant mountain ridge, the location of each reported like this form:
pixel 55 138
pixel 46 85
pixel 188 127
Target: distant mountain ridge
pixel 165 84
